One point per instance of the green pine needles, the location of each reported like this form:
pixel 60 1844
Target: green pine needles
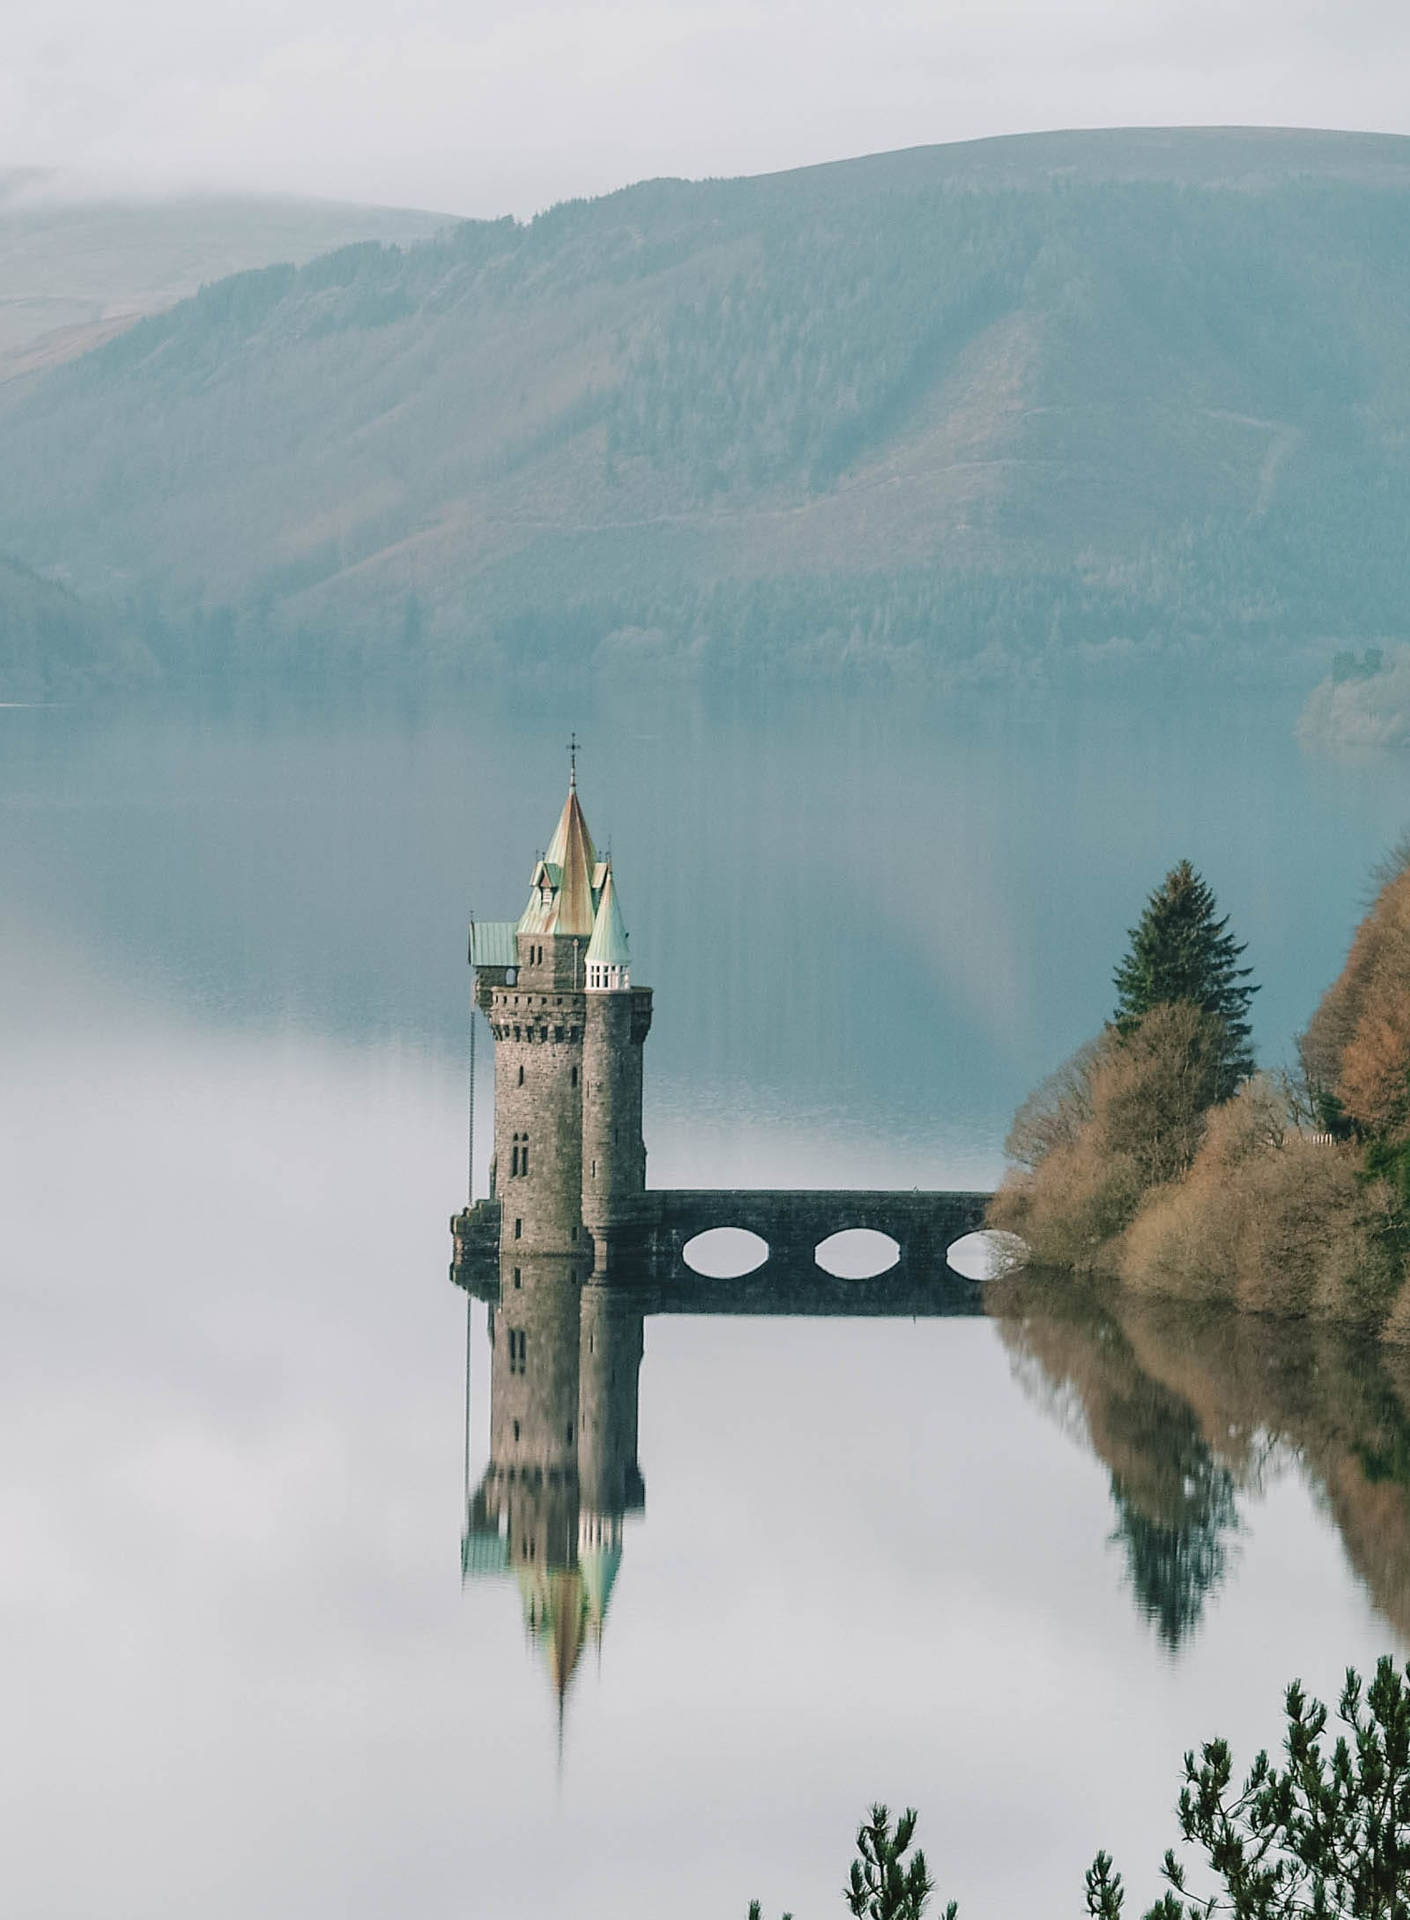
pixel 1182 950
pixel 1324 1837
pixel 883 1884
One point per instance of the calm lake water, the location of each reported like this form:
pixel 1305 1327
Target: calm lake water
pixel 1004 1568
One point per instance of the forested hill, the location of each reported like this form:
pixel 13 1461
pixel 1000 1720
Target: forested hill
pixel 975 410
pixel 52 647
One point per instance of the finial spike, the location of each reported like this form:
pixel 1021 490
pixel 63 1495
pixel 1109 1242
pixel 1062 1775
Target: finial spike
pixel 573 761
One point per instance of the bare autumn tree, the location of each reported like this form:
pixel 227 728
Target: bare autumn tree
pixel 1127 1117
pixel 1355 1053
pixel 1058 1108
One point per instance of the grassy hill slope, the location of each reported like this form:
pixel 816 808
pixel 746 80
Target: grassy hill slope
pixel 74 272
pixel 971 410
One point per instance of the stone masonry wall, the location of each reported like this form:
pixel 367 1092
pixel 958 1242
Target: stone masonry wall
pixel 614 1152
pixel 538 1109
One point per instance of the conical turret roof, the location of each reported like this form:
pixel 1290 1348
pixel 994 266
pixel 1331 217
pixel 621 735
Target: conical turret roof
pixel 599 1565
pixel 608 946
pixel 561 899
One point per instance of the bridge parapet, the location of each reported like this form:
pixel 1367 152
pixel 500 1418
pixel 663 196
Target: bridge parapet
pixel 650 1232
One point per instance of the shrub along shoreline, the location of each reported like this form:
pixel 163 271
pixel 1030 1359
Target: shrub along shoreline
pixel 1287 1196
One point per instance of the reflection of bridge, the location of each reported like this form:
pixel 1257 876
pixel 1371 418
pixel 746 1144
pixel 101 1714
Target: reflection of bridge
pixel 650 1232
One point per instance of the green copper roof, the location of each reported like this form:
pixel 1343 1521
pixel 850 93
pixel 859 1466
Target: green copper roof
pixel 599 1569
pixel 608 946
pixel 492 944
pixel 483 1552
pixel 561 897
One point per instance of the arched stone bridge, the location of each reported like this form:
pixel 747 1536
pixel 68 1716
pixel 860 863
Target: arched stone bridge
pixel 650 1233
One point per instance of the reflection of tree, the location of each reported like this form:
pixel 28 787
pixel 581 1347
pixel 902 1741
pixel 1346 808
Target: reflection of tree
pixel 1174 1502
pixel 1173 1567
pixel 1187 1407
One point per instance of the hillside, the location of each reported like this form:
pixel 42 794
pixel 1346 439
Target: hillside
pixel 76 271
pixel 990 409
pixel 53 647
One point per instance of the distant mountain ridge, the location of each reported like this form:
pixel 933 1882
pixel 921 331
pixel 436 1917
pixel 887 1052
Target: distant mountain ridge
pixel 76 268
pixel 986 410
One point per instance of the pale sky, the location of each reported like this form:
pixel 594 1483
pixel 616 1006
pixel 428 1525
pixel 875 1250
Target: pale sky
pixel 493 106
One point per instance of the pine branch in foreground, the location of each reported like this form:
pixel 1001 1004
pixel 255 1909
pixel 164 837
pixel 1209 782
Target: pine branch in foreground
pixel 1325 1837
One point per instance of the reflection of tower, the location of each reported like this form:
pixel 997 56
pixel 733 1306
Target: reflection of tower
pixel 568 1028
pixel 609 1479
pixel 564 1374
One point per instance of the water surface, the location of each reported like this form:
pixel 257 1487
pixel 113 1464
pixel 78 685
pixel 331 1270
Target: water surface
pixel 1003 1568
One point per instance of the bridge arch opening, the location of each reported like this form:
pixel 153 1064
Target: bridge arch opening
pixel 857 1253
pixel 986 1254
pixel 725 1253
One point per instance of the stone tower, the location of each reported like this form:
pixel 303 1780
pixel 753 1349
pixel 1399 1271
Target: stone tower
pixel 569 1027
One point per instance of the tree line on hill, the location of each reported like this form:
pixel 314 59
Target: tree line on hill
pixel 899 420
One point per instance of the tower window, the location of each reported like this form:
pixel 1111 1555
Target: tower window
pixel 524 1155
pixel 569 1436
pixel 521 1073
pixel 516 1430
pixel 573 1233
pixel 573 1077
pixel 518 1229
pixel 518 1347
pixel 558 1034
pixel 514 1158
pixel 518 1278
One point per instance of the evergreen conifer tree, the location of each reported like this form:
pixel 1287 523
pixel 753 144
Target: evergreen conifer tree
pixel 1182 950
